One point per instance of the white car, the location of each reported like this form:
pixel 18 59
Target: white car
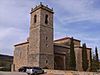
pixel 34 70
pixel 29 71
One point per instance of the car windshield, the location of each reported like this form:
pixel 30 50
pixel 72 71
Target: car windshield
pixel 26 67
pixel 37 68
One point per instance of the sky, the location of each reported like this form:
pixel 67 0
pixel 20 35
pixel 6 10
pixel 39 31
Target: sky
pixel 74 18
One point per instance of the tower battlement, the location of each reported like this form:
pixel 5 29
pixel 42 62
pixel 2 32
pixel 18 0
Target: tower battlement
pixel 42 7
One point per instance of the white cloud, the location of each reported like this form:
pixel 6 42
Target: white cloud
pixel 73 6
pixel 80 10
pixel 14 23
pixel 93 17
pixel 9 37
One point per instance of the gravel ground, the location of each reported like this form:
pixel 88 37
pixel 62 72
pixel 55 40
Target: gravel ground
pixel 12 73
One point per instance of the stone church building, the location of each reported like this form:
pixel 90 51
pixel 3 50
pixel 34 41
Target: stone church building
pixel 41 50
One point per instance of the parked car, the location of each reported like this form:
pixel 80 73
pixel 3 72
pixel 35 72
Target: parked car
pixel 23 69
pixel 34 71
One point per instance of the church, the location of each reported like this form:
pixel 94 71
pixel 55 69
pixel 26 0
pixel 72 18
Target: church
pixel 41 50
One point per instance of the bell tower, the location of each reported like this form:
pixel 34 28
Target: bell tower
pixel 41 51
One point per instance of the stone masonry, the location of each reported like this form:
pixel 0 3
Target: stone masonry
pixel 40 49
pixel 41 38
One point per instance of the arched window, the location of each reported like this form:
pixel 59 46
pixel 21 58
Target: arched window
pixel 35 17
pixel 46 61
pixel 46 19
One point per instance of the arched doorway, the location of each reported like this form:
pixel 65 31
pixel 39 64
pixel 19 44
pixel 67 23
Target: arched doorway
pixel 59 62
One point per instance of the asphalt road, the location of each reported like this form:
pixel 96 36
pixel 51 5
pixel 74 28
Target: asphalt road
pixel 12 73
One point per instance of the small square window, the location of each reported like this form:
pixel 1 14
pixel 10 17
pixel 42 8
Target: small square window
pixel 46 45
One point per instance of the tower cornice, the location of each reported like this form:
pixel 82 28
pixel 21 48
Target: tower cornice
pixel 41 6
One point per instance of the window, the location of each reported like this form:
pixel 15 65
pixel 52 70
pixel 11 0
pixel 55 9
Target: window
pixel 35 17
pixel 46 19
pixel 46 61
pixel 46 38
pixel 46 45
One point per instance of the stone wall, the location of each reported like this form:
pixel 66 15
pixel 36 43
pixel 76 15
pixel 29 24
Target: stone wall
pixel 20 56
pixel 61 72
pixel 78 53
pixel 41 38
pixel 61 57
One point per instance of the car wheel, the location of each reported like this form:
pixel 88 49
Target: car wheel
pixel 28 73
pixel 35 73
pixel 42 72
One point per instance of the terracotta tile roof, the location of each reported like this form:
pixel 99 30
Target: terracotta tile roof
pixel 22 43
pixel 86 48
pixel 65 39
pixel 81 47
pixel 60 45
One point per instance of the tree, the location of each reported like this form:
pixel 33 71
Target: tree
pixel 94 64
pixel 96 53
pixel 84 58
pixel 72 55
pixel 91 60
pixel 96 57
